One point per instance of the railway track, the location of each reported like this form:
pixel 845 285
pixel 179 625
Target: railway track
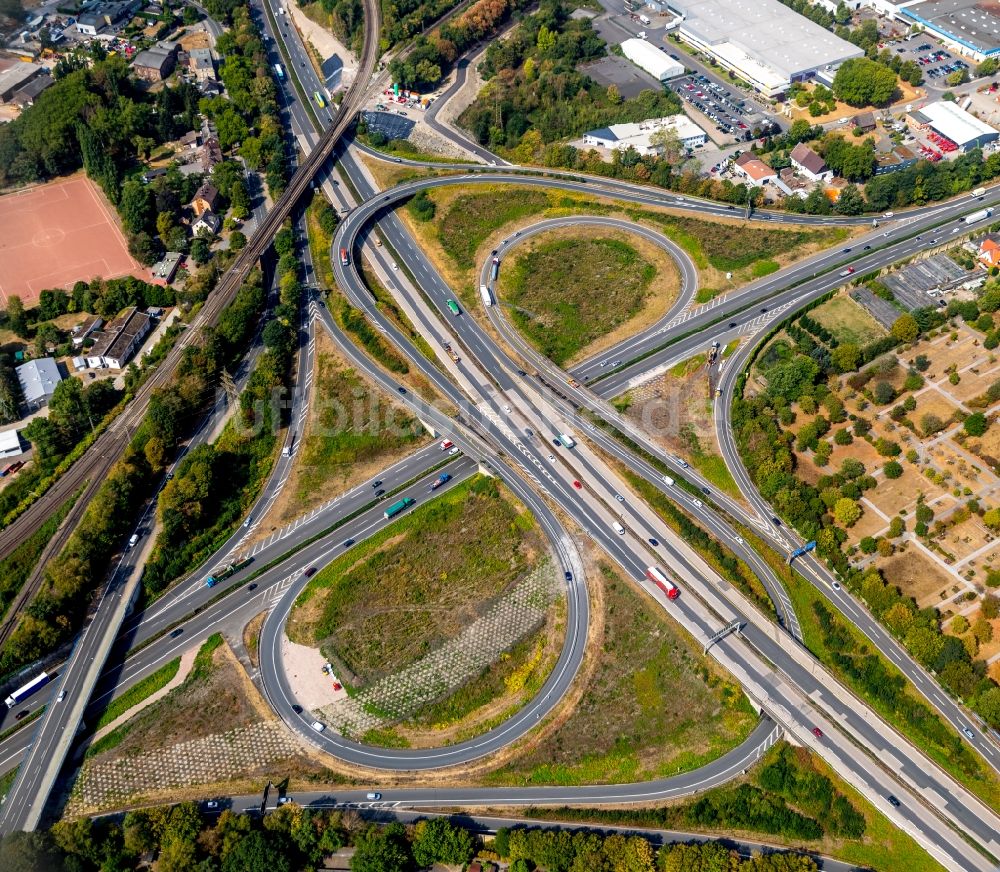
pixel 93 467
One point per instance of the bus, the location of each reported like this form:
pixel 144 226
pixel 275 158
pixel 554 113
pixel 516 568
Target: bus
pixel 280 72
pixel 401 506
pixel 22 693
pixel 345 258
pixel 454 307
pixel 320 100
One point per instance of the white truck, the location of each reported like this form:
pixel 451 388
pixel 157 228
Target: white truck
pixel 645 20
pixel 567 440
pixel 486 294
pixel 978 216
pixel 978 192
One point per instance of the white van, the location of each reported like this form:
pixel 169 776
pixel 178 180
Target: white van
pixel 318 727
pixel 132 540
pixel 667 480
pixel 619 529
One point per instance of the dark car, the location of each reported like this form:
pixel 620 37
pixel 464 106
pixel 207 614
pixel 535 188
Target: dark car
pixel 310 572
pixel 817 732
pixel 895 803
pixel 401 389
pixel 380 492
pixel 556 442
pixel 21 714
pixel 654 542
pixel 348 543
pixel 569 576
pixel 176 632
pixel 775 521
pixel 763 310
pixel 732 324
pixel 252 586
pixel 297 709
pixel 377 483
pixel 706 491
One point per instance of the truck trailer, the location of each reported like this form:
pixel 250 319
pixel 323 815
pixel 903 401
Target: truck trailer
pixel 978 216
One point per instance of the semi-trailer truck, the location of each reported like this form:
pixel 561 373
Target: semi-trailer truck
pixel 659 578
pixel 444 478
pixel 26 690
pixel 978 216
pixel 978 192
pixel 495 269
pixel 396 508
pixel 486 294
pixel 279 72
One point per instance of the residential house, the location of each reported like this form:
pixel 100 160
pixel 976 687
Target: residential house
pixel 989 250
pixel 211 154
pixel 754 170
pixel 38 380
pixel 120 340
pixel 206 199
pixel 864 121
pixel 810 164
pixel 208 223
pixel 201 64
pixel 792 184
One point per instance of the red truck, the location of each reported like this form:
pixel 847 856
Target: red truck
pixel 657 576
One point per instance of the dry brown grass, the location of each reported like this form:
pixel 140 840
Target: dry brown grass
pixel 917 576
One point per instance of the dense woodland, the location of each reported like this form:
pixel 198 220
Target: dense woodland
pixel 796 372
pixel 293 839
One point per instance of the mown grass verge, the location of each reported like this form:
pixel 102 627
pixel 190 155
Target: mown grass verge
pixel 139 692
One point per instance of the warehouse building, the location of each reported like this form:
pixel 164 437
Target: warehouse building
pixel 763 42
pixel 649 58
pixel 949 120
pixel 38 380
pixel 637 135
pixel 967 26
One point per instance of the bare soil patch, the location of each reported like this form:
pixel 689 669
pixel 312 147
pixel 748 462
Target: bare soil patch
pixel 917 576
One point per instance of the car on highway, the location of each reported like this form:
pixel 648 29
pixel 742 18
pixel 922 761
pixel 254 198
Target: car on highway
pixel 620 498
pixel 568 576
pixel 348 543
pixel 62 696
pixel 246 523
pixel 654 542
pixel 21 714
pixel 556 442
pixel 212 803
pixel 577 484
pixel 552 458
pixel 836 585
pixel 380 492
pixel 252 586
pixel 310 572
pixel 454 451
pixel 968 733
pixel 377 483
pixel 373 795
pixel 176 632
pixel 895 803
pixel 401 389
pixel 318 726
pixel 698 503
pixel 732 324
pixel 507 409
pixel 297 709
pixel 817 732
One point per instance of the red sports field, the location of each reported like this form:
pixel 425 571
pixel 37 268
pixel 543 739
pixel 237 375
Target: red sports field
pixel 56 234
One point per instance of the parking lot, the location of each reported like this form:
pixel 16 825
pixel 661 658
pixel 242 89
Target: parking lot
pixel 936 62
pixel 715 107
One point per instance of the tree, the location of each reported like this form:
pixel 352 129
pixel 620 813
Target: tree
pixel 930 424
pixel 253 853
pixel 959 77
pixel 845 357
pixel 201 252
pixel 439 841
pixel 863 82
pixel 135 206
pixel 30 852
pixel 850 201
pixel 887 448
pixel 896 527
pixel 990 606
pixel 867 545
pixel 846 512
pixel 959 624
pixel 237 241
pixel 988 67
pixel 892 469
pixel 983 631
pixel 905 328
pixel 883 393
pixel 16 316
pixel 975 424
pixel 382 850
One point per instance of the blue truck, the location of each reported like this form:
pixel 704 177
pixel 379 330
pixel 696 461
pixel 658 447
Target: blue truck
pixel 798 552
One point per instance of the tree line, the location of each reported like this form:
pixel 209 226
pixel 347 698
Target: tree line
pixel 293 838
pixel 80 568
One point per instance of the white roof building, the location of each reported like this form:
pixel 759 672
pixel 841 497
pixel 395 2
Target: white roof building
pixel 953 122
pixel 637 134
pixel 649 58
pixel 38 380
pixel 10 444
pixel 762 41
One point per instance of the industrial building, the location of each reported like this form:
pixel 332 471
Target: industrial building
pixel 968 26
pixel 649 58
pixel 637 134
pixel 15 78
pixel 10 444
pixel 949 120
pixel 120 340
pixel 763 42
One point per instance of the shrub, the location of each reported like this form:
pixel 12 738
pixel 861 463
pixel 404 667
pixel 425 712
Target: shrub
pixel 930 424
pixel 892 469
pixel 883 393
pixel 975 424
pixel 886 447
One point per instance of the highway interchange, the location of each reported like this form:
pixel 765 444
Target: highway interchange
pixel 498 402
